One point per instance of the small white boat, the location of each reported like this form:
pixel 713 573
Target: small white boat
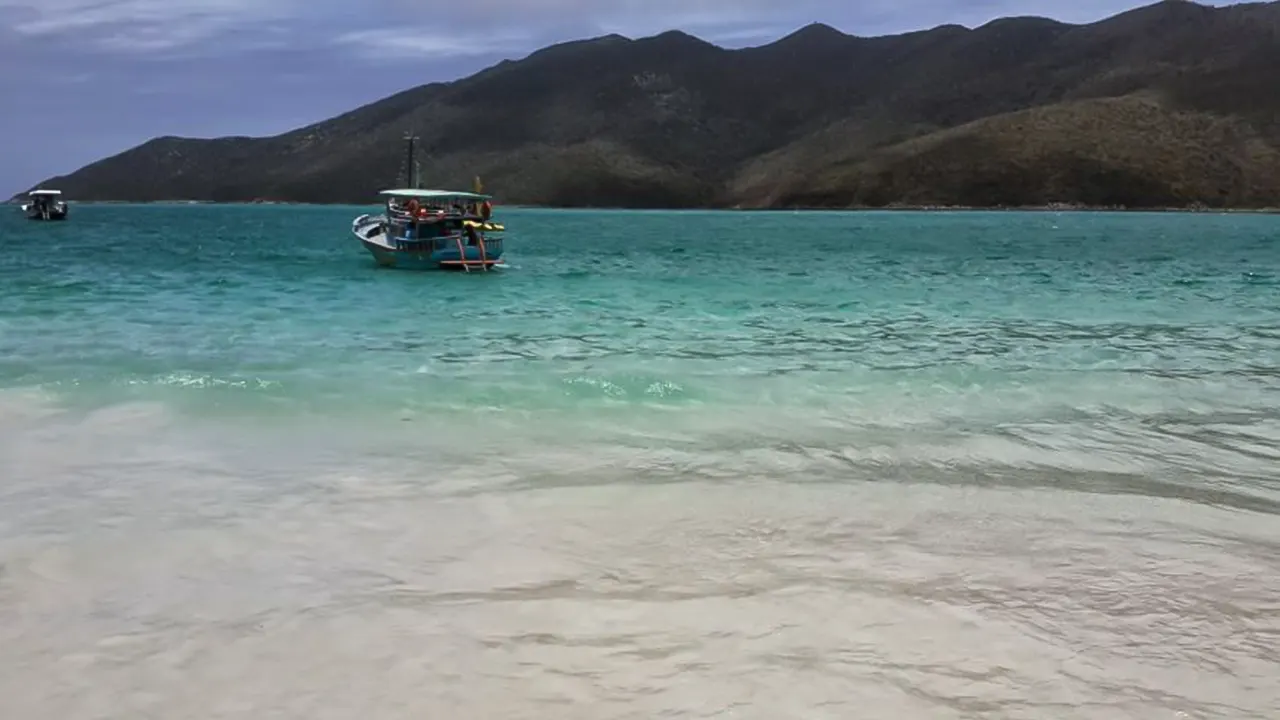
pixel 45 205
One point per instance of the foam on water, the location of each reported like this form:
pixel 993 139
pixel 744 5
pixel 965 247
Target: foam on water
pixel 944 466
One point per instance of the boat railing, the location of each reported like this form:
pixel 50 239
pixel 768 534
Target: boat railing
pixel 448 241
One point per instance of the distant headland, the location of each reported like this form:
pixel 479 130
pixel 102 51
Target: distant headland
pixel 1143 110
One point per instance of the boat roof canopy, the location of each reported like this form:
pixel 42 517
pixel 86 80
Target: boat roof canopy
pixel 435 194
pixel 34 193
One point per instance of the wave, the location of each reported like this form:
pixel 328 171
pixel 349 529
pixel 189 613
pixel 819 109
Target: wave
pixel 1211 456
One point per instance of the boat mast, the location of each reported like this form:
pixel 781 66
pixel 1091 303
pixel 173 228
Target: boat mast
pixel 413 178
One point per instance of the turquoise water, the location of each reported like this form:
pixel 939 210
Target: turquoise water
pixel 665 396
pixel 275 306
pixel 701 328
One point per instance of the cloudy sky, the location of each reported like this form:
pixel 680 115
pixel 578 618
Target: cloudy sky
pixel 83 79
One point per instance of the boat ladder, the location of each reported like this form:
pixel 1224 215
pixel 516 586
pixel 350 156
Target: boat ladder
pixel 466 264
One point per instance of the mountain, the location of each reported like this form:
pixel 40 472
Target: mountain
pixel 1170 105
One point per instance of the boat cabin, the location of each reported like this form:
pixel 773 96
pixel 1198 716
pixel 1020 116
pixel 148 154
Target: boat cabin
pixel 438 205
pixel 45 197
pixel 437 218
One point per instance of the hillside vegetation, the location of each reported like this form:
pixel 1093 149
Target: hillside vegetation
pixel 1170 105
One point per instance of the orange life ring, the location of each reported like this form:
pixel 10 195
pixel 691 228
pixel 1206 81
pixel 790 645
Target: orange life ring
pixel 412 207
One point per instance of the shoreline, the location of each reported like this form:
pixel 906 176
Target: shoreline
pixel 1051 208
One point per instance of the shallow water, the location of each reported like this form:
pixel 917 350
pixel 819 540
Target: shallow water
pixel 884 465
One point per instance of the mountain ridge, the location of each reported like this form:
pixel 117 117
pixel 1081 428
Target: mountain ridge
pixel 1019 110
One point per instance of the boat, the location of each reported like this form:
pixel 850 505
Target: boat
pixel 424 229
pixel 45 205
pixel 432 230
